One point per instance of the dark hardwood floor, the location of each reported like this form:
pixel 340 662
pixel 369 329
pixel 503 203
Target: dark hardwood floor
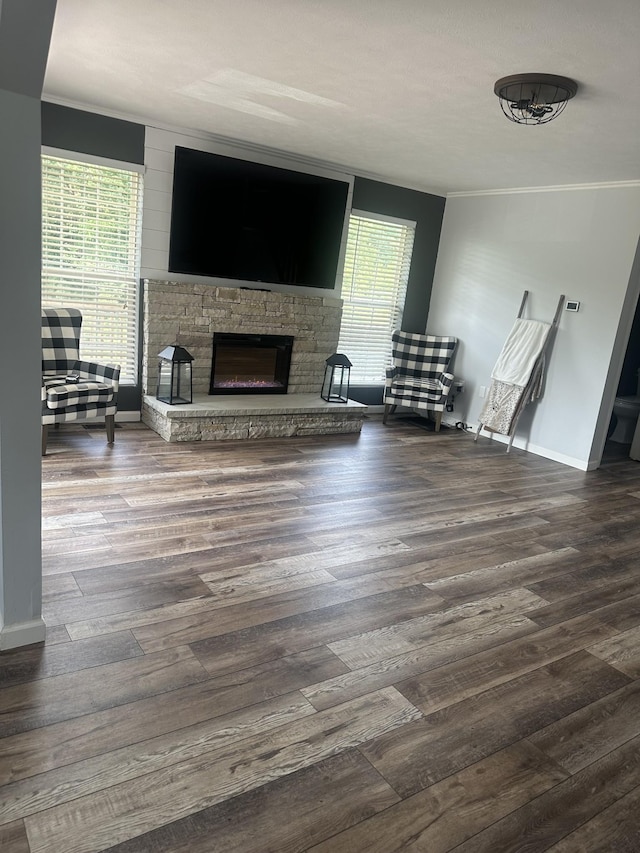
pixel 402 641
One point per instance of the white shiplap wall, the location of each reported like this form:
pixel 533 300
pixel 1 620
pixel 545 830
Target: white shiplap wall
pixel 156 216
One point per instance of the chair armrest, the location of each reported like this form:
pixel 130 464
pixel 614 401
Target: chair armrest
pixel 99 372
pixel 446 381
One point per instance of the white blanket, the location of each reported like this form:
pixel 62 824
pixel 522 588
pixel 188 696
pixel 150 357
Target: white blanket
pixel 520 352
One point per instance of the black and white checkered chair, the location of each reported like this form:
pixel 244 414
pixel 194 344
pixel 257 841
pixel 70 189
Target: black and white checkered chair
pixel 419 375
pixel 72 389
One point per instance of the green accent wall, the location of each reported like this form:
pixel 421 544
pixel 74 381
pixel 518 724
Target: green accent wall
pixel 92 133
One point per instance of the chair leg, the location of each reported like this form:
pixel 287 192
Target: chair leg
pixel 438 420
pixel 45 431
pixel 109 422
pixel 389 409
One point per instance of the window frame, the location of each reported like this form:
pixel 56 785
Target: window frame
pixel 129 380
pixel 399 297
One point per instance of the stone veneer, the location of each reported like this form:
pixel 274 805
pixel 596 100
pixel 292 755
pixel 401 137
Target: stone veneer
pixel 259 416
pixel 189 314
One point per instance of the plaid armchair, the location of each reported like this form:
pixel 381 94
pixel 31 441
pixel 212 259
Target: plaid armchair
pixel 73 390
pixel 418 377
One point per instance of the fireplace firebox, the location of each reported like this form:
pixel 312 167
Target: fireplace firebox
pixel 250 364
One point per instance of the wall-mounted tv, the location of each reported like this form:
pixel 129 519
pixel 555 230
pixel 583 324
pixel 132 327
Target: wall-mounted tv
pixel 247 221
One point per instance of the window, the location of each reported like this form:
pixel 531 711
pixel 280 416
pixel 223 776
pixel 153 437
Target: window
pixel 91 215
pixel 374 284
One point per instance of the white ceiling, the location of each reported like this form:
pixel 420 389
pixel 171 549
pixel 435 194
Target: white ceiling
pixel 398 90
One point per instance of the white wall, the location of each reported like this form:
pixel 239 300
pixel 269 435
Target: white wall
pixel 156 215
pixel 580 242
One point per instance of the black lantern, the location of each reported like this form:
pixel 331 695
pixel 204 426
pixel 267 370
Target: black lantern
pixel 335 388
pixel 174 376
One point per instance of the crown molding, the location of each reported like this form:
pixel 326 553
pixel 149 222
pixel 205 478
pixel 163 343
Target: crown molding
pixel 604 185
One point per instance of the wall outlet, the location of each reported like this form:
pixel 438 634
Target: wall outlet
pixel 482 391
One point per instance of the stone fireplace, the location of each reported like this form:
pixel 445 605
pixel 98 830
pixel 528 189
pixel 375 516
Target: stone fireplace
pixel 194 315
pixel 190 315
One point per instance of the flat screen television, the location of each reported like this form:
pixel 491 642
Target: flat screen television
pixel 247 221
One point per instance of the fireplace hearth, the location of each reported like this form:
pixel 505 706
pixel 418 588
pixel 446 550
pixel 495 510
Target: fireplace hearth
pixel 250 363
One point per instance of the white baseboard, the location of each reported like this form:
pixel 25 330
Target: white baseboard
pixel 523 444
pixel 22 634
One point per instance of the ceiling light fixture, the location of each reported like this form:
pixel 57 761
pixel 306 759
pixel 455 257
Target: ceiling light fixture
pixel 534 98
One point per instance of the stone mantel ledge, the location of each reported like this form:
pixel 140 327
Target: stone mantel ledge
pixel 239 405
pixel 212 293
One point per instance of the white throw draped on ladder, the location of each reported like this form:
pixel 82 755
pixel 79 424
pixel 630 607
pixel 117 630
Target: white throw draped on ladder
pixel 520 352
pixel 517 375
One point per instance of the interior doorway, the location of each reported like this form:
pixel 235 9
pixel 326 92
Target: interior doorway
pixel 625 408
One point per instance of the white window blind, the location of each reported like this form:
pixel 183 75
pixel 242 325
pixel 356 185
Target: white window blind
pixel 91 218
pixel 374 285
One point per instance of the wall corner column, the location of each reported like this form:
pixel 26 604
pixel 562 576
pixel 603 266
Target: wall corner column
pixel 25 32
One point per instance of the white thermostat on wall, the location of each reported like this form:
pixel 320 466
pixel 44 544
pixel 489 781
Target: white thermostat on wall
pixel 572 305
